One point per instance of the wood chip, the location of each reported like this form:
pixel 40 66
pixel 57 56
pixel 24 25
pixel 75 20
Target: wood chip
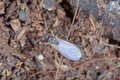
pixel 20 34
pixel 15 24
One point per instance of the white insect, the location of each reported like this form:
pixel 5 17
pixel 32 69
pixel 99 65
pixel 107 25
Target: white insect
pixel 67 49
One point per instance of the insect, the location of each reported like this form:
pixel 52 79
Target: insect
pixel 67 49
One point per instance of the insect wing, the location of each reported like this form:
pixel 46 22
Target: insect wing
pixel 69 50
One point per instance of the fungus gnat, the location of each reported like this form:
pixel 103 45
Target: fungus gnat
pixel 67 49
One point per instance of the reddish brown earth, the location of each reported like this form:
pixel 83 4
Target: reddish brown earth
pixel 92 25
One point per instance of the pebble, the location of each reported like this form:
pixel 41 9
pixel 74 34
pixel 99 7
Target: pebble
pixel 23 15
pixel 113 7
pixel 41 57
pixel 48 4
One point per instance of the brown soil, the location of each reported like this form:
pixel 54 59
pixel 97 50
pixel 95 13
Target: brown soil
pixel 91 25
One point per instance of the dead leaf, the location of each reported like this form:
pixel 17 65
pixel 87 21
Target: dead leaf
pixel 8 73
pixel 60 13
pixel 15 24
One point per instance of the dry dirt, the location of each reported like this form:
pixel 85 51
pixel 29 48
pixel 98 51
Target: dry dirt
pixel 93 25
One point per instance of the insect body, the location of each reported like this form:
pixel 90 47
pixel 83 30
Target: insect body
pixel 67 49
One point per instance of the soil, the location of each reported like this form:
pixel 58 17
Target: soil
pixel 93 25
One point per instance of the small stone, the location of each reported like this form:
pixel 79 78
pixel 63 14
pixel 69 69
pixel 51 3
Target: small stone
pixel 23 15
pixel 48 4
pixel 97 67
pixel 114 7
pixel 40 57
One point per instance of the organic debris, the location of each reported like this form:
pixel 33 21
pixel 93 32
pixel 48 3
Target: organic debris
pixel 92 25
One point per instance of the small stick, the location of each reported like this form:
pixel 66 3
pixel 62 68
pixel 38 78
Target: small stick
pixel 73 19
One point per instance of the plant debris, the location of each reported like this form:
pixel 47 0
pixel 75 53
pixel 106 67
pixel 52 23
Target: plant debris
pixel 93 25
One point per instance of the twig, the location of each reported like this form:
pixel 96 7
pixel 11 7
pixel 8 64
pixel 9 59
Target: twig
pixel 93 23
pixel 73 19
pixel 39 72
pixel 58 68
pixel 98 59
pixel 79 66
pixel 110 45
